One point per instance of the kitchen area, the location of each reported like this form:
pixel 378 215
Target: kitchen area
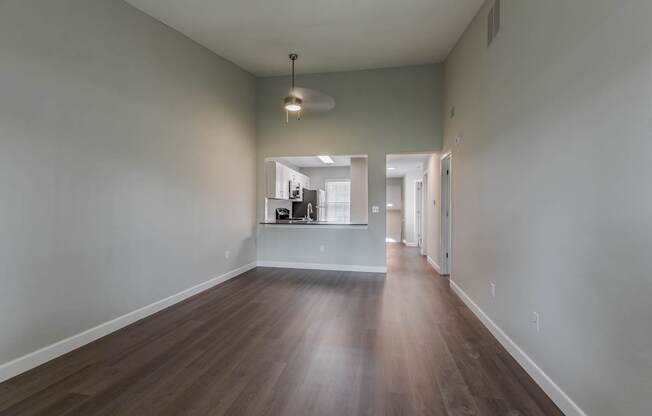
pixel 316 191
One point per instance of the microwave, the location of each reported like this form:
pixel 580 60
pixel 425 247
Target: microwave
pixel 296 191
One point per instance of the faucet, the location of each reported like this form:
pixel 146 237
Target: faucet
pixel 309 212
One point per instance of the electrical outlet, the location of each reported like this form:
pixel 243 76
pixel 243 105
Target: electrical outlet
pixel 227 254
pixel 322 248
pixel 492 290
pixel 535 320
pixel 375 209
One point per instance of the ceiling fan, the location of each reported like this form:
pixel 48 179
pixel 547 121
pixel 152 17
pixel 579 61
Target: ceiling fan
pixel 305 100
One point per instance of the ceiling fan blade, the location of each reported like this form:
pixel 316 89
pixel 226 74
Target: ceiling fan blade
pixel 313 100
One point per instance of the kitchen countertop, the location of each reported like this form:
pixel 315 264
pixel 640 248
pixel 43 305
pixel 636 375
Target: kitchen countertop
pixel 310 223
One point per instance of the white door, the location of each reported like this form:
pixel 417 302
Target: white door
pixel 418 205
pixel 446 212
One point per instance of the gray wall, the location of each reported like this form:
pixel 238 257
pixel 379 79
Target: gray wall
pixel 394 192
pixel 378 112
pixel 120 141
pixel 360 190
pixel 551 189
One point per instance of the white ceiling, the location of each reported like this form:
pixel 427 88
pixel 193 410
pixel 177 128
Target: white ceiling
pixel 403 164
pixel 328 35
pixel 313 161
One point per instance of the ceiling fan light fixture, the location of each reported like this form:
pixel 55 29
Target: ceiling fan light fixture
pixel 293 104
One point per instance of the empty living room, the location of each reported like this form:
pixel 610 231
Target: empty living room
pixel 292 208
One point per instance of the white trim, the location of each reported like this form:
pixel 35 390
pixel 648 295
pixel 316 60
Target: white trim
pixel 45 354
pixel 318 266
pixel 561 399
pixel 409 244
pixel 434 265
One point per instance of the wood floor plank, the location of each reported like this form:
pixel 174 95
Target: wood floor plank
pixel 293 342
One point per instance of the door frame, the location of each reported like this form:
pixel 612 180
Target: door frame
pixel 424 213
pixel 418 212
pixel 446 213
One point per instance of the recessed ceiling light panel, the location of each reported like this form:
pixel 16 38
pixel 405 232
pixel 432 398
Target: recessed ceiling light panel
pixel 326 160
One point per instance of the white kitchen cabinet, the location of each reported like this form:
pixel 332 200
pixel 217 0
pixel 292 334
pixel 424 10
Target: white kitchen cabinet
pixel 304 181
pixel 279 177
pixel 278 180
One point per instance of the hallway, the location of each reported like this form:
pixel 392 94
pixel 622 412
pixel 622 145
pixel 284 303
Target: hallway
pixel 293 342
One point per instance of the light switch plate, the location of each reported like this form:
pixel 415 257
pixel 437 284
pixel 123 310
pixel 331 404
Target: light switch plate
pixel 375 209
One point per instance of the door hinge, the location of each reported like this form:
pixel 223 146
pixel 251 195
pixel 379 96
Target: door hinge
pixel 446 255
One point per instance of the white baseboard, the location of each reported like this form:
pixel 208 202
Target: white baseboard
pixel 434 265
pixel 409 244
pixel 36 358
pixel 318 266
pixel 561 399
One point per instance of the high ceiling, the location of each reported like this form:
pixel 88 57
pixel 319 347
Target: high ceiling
pixel 328 35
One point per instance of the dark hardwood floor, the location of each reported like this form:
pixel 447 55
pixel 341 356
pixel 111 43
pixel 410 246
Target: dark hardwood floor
pixel 293 342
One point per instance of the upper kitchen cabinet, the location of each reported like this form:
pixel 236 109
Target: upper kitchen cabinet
pixel 277 178
pixel 297 179
pixel 284 182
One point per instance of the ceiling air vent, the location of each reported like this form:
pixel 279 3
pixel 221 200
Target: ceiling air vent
pixel 493 22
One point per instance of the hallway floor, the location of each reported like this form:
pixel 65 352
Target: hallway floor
pixel 293 342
